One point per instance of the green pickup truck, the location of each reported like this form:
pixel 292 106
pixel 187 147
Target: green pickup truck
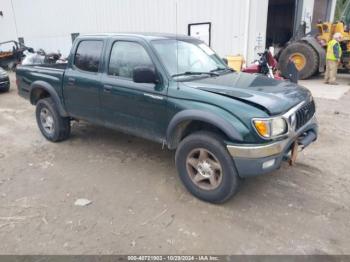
pixel 177 91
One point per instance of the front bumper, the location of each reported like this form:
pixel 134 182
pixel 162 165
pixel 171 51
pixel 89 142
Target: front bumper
pixel 253 160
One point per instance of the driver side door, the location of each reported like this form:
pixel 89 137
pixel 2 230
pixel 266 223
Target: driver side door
pixel 136 108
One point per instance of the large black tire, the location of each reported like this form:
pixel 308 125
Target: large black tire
pixel 216 150
pixel 307 52
pixel 47 115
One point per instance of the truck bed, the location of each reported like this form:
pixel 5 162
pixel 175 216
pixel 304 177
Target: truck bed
pixel 49 73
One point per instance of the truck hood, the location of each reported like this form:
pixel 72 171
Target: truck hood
pixel 274 96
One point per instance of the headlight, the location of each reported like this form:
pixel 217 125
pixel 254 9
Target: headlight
pixel 270 128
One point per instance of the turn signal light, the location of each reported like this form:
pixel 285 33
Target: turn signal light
pixel 262 127
pixel 270 127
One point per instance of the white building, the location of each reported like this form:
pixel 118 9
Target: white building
pixel 236 26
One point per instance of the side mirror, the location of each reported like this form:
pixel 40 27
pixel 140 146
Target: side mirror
pixel 142 74
pixel 225 60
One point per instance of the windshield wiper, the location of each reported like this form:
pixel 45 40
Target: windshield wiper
pixel 189 73
pixel 222 69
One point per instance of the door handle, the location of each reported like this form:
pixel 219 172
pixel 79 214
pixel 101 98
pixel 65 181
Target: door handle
pixel 107 88
pixel 71 81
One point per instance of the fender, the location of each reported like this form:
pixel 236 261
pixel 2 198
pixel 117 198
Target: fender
pixel 53 94
pixel 319 50
pixel 198 115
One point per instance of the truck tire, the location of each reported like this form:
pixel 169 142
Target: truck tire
pixel 54 127
pixel 304 57
pixel 206 168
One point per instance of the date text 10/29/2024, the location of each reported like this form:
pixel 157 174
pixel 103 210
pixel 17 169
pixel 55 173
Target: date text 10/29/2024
pixel 173 258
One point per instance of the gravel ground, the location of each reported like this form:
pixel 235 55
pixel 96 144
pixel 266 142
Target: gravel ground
pixel 140 206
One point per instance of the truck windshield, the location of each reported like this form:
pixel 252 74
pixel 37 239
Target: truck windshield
pixel 188 58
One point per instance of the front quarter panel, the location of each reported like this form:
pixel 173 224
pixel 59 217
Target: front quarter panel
pixel 188 110
pixel 227 113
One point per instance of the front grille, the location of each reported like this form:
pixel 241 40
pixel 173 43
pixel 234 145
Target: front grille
pixel 304 114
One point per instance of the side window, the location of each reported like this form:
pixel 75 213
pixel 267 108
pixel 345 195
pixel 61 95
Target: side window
pixel 125 56
pixel 88 55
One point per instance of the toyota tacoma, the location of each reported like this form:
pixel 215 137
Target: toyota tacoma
pixel 177 91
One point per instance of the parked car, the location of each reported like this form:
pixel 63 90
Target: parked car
pixel 4 81
pixel 176 91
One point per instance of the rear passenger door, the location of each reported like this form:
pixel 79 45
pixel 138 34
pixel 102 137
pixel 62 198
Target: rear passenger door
pixel 137 108
pixel 82 81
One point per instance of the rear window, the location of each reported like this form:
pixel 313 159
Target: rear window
pixel 88 55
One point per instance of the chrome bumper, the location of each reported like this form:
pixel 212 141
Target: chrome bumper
pixel 249 151
pixel 266 150
pixel 253 160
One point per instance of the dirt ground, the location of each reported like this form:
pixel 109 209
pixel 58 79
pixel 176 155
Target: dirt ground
pixel 140 206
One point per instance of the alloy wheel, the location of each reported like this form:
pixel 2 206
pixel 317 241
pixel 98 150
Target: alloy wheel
pixel 204 169
pixel 47 121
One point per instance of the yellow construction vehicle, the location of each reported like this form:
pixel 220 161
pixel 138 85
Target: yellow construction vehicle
pixel 308 52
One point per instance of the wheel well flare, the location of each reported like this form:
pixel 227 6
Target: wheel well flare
pixel 187 127
pixel 37 94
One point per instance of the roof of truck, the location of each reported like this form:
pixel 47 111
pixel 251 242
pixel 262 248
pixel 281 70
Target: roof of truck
pixel 144 35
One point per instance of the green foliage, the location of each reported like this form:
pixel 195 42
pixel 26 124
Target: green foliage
pixel 339 9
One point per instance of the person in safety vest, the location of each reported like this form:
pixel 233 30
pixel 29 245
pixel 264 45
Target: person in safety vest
pixel 334 53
